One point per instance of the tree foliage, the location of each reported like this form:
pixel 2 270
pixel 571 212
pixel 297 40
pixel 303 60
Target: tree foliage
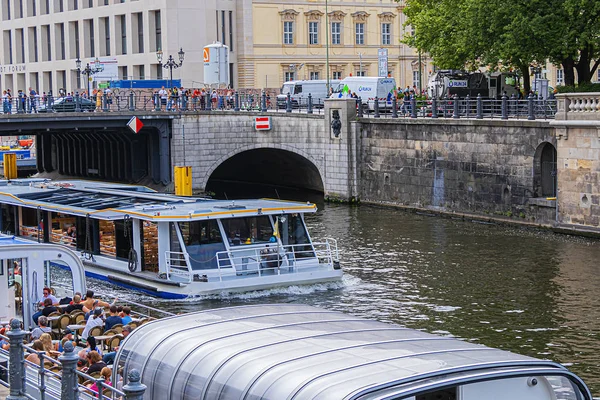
pixel 508 34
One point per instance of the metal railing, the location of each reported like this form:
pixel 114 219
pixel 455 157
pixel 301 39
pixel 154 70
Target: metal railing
pixel 178 265
pixel 60 380
pixel 530 108
pixel 273 259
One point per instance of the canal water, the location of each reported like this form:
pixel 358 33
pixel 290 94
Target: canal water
pixel 528 291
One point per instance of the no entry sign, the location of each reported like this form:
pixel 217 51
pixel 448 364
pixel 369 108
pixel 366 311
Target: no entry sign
pixel 262 123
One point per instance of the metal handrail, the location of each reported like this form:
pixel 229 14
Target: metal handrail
pixel 184 270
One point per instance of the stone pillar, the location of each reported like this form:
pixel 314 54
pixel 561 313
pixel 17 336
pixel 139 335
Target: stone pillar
pixel 16 361
pixel 340 169
pixel 69 389
pixel 134 390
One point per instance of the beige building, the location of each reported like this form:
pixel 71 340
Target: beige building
pixel 293 39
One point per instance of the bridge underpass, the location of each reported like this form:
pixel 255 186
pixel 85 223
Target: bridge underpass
pixel 266 172
pixel 98 146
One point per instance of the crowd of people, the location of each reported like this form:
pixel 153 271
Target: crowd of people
pixel 46 344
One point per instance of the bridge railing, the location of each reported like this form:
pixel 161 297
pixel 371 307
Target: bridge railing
pixel 530 108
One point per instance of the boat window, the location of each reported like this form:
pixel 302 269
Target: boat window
pixel 58 277
pixel 107 238
pixel 121 239
pixel 248 230
pixel 150 246
pixel 294 234
pixel 63 229
pixel 8 219
pixel 202 240
pixel 81 232
pixel 29 223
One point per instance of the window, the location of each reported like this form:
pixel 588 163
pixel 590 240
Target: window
pixel 157 30
pixel 250 230
pixel 386 34
pixel 35 44
pixel 336 75
pixel 91 36
pixel 360 73
pixel 314 75
pixel 560 77
pixel 288 32
pixel 336 33
pixel 106 36
pixel 8 39
pixel 76 34
pixel 61 40
pixel 415 78
pixel 140 26
pixel 230 31
pixel 290 76
pixel 360 33
pixel 202 239
pixel 313 33
pixel 123 34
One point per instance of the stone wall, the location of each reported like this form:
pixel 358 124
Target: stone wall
pixel 476 166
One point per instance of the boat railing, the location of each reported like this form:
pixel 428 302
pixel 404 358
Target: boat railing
pixel 178 264
pixel 276 259
pixel 56 378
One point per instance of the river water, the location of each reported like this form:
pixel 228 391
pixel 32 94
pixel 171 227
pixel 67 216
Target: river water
pixel 528 291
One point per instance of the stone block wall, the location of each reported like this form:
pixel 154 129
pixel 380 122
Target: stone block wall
pixel 579 176
pixel 478 166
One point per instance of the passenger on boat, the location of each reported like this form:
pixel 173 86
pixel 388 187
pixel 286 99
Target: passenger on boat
pixel 112 319
pixel 68 337
pixel 33 357
pixel 95 361
pixel 235 239
pixel 91 346
pixel 90 302
pixel 109 358
pixel 96 320
pixel 105 374
pixel 41 329
pixel 125 315
pixel 48 308
pixel 75 305
pixel 47 294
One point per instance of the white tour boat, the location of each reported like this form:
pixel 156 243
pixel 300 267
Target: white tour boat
pixel 170 246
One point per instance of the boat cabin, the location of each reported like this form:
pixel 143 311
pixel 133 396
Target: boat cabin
pixel 291 351
pixel 26 268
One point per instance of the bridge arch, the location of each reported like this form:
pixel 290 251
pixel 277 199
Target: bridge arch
pixel 277 165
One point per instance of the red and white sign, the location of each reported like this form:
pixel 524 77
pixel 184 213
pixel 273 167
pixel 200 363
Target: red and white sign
pixel 262 123
pixel 135 124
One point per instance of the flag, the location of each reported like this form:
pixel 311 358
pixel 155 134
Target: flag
pixel 276 230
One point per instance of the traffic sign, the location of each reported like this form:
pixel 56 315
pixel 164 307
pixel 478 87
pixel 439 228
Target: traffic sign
pixel 135 124
pixel 262 123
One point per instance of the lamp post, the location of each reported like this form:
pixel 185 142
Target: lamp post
pixel 327 44
pixel 171 63
pixel 88 71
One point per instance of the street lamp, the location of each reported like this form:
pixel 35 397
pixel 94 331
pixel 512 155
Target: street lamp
pixel 88 71
pixel 171 63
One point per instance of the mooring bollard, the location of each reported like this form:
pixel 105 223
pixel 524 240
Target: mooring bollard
pixel 413 106
pixel 394 107
pixel 16 363
pixel 236 106
pixel 376 108
pixel 359 104
pixel 134 390
pixel 504 107
pixel 434 111
pixel 309 109
pixel 530 112
pixel 77 102
pixel 69 382
pixel 455 113
pixel 288 103
pixel 263 98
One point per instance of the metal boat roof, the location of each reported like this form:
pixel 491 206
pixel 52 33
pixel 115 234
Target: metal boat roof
pixel 289 351
pixel 103 200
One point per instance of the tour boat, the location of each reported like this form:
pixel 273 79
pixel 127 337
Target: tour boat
pixel 170 246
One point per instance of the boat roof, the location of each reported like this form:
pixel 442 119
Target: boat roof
pixel 285 351
pixel 12 241
pixel 112 201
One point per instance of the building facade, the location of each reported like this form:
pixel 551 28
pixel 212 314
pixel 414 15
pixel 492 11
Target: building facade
pixel 298 40
pixel 41 39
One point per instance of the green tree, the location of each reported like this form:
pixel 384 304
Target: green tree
pixel 508 34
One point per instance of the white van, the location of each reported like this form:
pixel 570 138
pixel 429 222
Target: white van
pixel 299 91
pixel 368 89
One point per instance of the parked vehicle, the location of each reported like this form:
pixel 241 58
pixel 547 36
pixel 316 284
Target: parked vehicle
pixel 67 104
pixel 368 89
pixel 299 91
pixel 447 83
